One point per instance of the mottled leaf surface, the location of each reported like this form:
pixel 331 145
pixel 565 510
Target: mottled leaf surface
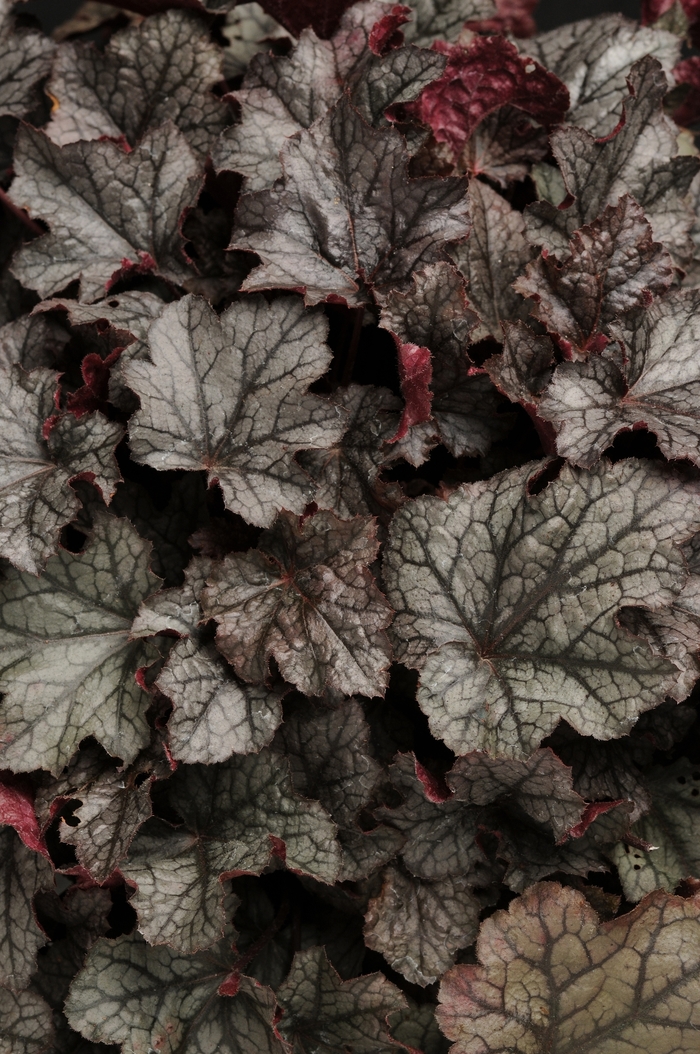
pixel 322 1014
pixel 552 978
pixel 107 210
pixel 419 926
pixel 523 369
pixel 671 826
pixel 25 58
pixel 434 314
pixel 229 395
pixel 36 465
pixel 306 597
pixel 161 71
pixel 215 715
pixel 348 218
pixel 157 999
pixel 506 603
pixel 23 873
pixel 542 786
pixel 444 19
pixel 67 661
pixel 234 815
pixel 493 256
pixel 281 95
pixel 593 57
pixel 655 382
pixel 27 1025
pixel 640 159
pixel 613 267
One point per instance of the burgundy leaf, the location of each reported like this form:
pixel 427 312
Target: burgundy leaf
pixel 481 78
pixel 512 16
pixel 386 33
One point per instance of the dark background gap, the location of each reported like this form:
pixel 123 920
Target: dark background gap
pixel 549 14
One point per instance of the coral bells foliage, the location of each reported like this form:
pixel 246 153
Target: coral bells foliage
pixel 349 530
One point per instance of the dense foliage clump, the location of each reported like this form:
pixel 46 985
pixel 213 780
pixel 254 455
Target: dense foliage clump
pixel 350 530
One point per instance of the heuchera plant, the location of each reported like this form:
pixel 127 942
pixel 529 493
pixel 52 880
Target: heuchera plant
pixel 350 530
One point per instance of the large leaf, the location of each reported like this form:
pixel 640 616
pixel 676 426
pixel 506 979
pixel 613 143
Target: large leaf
pixel 506 603
pixel 157 999
pixel 306 597
pixel 639 159
pixel 593 58
pixel 495 254
pixel 434 314
pixel 215 715
pixel 671 827
pixel 348 219
pixel 161 71
pixel 613 266
pixel 67 662
pixel 281 95
pixel 229 394
pixel 329 755
pixel 420 926
pixel 108 210
pixel 37 462
pixel 27 1025
pixel 347 474
pixel 235 815
pixel 656 383
pixel 322 1014
pixel 554 979
pixel 25 57
pixel 23 872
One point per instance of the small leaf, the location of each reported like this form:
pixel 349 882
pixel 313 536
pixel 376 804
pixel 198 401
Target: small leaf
pixel 506 603
pixel 23 872
pixel 541 786
pixel 444 19
pixel 306 597
pixel 95 231
pixel 554 979
pixel 235 815
pixel 25 58
pixel 79 918
pixel 229 394
pixel 35 466
pixel 322 1014
pixel 495 254
pixel 434 313
pixel 369 225
pixel 522 371
pixel 163 70
pixel 27 1024
pixel 593 57
pixel 640 159
pixel 671 827
pixel 215 715
pixel 157 999
pixel 67 662
pixel 613 266
pixel 420 926
pixel 655 384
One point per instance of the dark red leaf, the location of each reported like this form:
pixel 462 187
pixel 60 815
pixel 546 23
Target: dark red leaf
pixel 17 810
pixel 512 16
pixel 490 73
pixel 322 15
pixel 415 373
pixel 386 33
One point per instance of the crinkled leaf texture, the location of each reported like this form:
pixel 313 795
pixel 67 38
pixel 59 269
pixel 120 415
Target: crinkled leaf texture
pixel 236 815
pixel 68 663
pixel 108 210
pixel 161 71
pixel 27 1023
pixel 553 978
pixel 158 999
pixel 307 598
pixel 23 872
pixel 506 603
pixel 322 1014
pixel 230 395
pixel 25 57
pixel 41 453
pixel 215 715
pixel 348 218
